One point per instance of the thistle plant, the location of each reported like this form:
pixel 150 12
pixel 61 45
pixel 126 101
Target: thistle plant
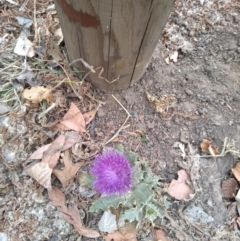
pixel 112 173
pixel 129 185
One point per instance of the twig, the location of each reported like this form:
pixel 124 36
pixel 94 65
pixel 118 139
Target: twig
pixel 123 125
pixel 35 21
pixel 46 111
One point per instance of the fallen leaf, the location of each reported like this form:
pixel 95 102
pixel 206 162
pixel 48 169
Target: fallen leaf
pixel 60 127
pixel 232 210
pixel 24 46
pixel 38 93
pixel 117 236
pixel 74 119
pixel 71 138
pixel 38 154
pixel 208 148
pixel 174 56
pixel 59 33
pixel 54 51
pixel 238 221
pixel 160 235
pixel 52 154
pixel 41 172
pixel 178 188
pixel 205 145
pixel 69 171
pixel 85 150
pixel 238 201
pixel 108 223
pixel 167 60
pixel 229 188
pixel 213 150
pixel 27 77
pixel 88 117
pixel 56 197
pixel 72 216
pixel 236 171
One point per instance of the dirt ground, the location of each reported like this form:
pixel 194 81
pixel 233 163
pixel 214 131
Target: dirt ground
pixel 204 83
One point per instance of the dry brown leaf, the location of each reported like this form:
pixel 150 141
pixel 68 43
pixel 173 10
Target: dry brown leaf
pixel 229 188
pixel 117 236
pixel 213 150
pixel 38 154
pixel 41 172
pixel 38 93
pixel 236 171
pixel 205 145
pixel 208 148
pixel 71 138
pixel 88 117
pixel 52 154
pixel 160 235
pixel 69 171
pixel 232 210
pixel 74 120
pixel 178 188
pixel 60 127
pixel 56 197
pixel 72 216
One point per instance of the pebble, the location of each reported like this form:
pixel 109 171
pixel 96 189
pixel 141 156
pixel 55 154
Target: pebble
pixel 197 215
pixel 149 82
pixel 101 112
pixel 238 50
pixel 134 114
pixel 143 82
pixel 54 238
pixel 184 137
pixel 188 92
pixel 191 33
pixel 150 124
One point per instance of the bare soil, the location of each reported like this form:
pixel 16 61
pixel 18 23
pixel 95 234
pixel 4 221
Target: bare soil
pixel 205 83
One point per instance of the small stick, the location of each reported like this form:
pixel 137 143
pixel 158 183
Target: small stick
pixel 123 125
pixel 46 111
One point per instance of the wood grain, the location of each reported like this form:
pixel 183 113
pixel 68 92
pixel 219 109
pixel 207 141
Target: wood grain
pixel 118 35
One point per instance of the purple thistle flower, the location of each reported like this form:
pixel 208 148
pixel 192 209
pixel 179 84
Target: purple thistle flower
pixel 112 173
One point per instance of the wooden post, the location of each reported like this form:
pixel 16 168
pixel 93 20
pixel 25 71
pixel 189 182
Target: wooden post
pixel 118 35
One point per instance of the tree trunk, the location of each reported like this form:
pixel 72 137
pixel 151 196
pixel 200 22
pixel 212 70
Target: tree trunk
pixel 117 35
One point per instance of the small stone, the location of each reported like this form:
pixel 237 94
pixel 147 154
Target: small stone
pixel 191 33
pixel 101 112
pixel 134 114
pixel 54 238
pixel 184 137
pixel 238 50
pixel 149 82
pixel 188 92
pixel 143 82
pixel 150 124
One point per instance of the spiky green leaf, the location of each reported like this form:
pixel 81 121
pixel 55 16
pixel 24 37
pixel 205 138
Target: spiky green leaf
pixel 142 193
pixel 120 148
pixel 144 138
pixel 151 212
pixel 131 214
pixel 105 202
pixel 132 156
pixel 137 173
